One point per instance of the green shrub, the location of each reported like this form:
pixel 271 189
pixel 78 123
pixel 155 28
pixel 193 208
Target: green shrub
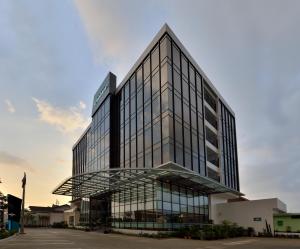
pixel 4 233
pixel 210 231
pixel 59 225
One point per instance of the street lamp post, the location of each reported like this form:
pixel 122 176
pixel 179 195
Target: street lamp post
pixel 23 203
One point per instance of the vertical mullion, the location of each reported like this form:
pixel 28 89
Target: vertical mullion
pixel 197 121
pixel 182 119
pixel 190 109
pixel 173 108
pixel 143 111
pixel 160 100
pixel 236 158
pixel 203 121
pixel 136 126
pixel 129 121
pixel 151 109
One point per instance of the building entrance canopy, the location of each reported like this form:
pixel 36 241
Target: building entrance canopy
pixel 116 179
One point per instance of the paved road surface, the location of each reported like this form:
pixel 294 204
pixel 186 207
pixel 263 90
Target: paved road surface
pixel 72 239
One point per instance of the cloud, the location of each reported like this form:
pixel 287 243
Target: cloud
pixel 7 159
pixel 10 106
pixel 116 37
pixel 82 105
pixel 65 120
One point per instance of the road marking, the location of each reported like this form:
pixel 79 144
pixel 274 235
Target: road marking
pixel 41 244
pixel 214 247
pixel 240 242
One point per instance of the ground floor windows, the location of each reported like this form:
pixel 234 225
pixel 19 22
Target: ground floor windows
pixel 158 206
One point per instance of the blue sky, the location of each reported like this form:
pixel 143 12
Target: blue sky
pixel 54 54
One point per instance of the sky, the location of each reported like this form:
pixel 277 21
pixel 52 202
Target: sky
pixel 54 55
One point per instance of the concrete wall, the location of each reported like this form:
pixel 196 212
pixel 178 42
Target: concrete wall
pixel 217 199
pixel 56 217
pixel 249 213
pixel 74 214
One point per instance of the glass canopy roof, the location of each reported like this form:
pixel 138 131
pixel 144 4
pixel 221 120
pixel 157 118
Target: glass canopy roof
pixel 115 179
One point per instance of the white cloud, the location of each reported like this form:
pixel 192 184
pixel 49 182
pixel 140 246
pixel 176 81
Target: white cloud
pixel 10 106
pixel 65 120
pixel 82 105
pixel 9 160
pixel 116 37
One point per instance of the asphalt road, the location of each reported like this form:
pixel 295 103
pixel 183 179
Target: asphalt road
pixel 73 239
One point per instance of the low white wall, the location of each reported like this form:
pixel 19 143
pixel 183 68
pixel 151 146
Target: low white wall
pixel 247 213
pixel 56 217
pixel 216 199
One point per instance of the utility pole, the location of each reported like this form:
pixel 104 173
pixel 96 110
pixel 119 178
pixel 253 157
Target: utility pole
pixel 23 203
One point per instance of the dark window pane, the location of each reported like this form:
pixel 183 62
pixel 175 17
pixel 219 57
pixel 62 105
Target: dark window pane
pixel 187 140
pixel 126 91
pixel 156 107
pixel 210 99
pixel 193 97
pixel 133 147
pixel 194 143
pixel 192 75
pixel 199 103
pixel 194 120
pixel 165 127
pixel 156 157
pixel 164 99
pixel 185 90
pixel 132 105
pixel 127 111
pixel 133 126
pixel 148 160
pixel 139 77
pixel 177 105
pixel 155 82
pixel 132 84
pixel 198 82
pixel 156 133
pixel 184 66
pixel 147 114
pixel 146 68
pixel 154 58
pixel 186 113
pixel 126 131
pixel 140 123
pixel 140 144
pixel 179 154
pixel 176 56
pixel 147 138
pixel 177 83
pixel 165 48
pixel 166 74
pixel 178 132
pixel 139 99
pixel 147 91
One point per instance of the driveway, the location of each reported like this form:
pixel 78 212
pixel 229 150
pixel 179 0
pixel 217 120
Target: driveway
pixel 73 239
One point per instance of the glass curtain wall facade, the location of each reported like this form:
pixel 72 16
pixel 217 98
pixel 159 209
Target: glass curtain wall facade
pixel 165 111
pixel 161 112
pixel 161 120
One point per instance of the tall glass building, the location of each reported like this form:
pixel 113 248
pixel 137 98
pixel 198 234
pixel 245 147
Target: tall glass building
pixel 161 148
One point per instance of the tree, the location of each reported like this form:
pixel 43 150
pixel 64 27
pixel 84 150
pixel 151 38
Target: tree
pixel 3 206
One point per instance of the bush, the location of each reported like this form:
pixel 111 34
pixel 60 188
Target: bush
pixel 59 225
pixel 4 233
pixel 211 232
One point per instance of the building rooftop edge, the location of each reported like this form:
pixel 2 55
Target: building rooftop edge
pixel 166 29
pixel 81 136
